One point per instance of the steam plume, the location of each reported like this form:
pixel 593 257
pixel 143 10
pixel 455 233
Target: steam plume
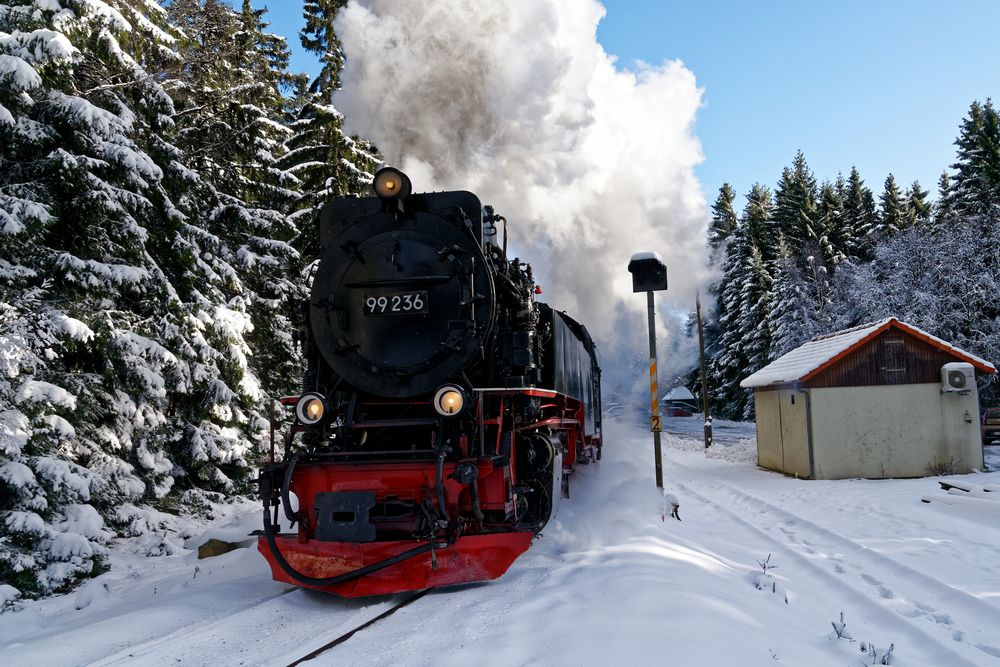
pixel 518 102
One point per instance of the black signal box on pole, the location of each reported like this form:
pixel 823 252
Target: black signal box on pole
pixel 649 273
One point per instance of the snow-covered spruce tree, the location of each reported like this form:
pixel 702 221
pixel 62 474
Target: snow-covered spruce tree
pixel 944 206
pixel 230 90
pixel 729 361
pixel 756 301
pixel 860 218
pixel 975 185
pixel 723 219
pixel 791 316
pixel 917 208
pixel 795 204
pixel 742 285
pixel 327 162
pixel 832 235
pixel 891 218
pixel 122 349
pixel 723 224
pixel 943 281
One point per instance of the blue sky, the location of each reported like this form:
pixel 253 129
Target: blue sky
pixel 880 84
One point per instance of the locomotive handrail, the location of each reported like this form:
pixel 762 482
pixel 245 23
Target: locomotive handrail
pixel 551 421
pixel 379 423
pixel 391 282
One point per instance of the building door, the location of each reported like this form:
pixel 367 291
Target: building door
pixel 794 433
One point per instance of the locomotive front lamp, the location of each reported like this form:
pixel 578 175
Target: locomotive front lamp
pixel 311 408
pixel 449 400
pixel 391 183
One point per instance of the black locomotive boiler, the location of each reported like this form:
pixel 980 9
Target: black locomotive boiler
pixel 444 407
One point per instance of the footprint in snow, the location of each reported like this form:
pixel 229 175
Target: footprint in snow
pixel 883 591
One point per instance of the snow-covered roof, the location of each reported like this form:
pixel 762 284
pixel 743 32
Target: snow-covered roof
pixel 680 393
pixel 809 359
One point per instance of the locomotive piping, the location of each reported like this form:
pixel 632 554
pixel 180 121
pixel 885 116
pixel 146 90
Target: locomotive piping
pixel 286 503
pixel 270 531
pixel 442 508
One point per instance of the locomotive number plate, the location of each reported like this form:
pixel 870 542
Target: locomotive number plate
pixel 397 303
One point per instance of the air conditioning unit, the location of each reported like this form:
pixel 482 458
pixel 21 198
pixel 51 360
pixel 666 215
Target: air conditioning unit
pixel 958 377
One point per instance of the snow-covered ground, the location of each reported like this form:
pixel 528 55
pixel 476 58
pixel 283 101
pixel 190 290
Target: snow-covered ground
pixel 724 432
pixel 610 582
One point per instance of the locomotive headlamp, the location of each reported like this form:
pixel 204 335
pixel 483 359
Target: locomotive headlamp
pixel 310 409
pixel 391 183
pixel 449 400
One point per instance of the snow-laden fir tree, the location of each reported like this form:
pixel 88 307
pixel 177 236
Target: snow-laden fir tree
pixel 743 287
pixel 891 217
pixel 917 208
pixel 795 205
pixel 230 88
pixel 723 218
pixel 975 185
pixel 723 224
pixel 729 360
pixel 944 206
pixel 123 356
pixel 327 162
pixel 832 234
pixel 860 218
pixel 791 318
pixel 756 302
pixel 943 281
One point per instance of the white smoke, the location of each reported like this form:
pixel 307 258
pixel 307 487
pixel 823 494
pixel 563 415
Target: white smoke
pixel 518 102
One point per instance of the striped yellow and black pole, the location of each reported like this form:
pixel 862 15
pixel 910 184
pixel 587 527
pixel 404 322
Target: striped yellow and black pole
pixel 655 424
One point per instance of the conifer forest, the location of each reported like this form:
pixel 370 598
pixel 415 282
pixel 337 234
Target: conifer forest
pixel 808 258
pixel 161 172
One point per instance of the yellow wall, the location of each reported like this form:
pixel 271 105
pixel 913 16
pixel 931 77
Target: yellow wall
pixel 768 429
pixel 782 431
pixel 894 431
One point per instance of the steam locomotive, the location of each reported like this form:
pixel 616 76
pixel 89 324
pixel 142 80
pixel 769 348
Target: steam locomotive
pixel 444 408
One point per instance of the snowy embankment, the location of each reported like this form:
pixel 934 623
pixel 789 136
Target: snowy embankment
pixel 610 582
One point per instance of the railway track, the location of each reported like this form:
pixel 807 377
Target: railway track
pixel 263 634
pixel 337 641
pixel 929 610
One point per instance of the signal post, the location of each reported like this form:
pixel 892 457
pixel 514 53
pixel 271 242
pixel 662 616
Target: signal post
pixel 649 274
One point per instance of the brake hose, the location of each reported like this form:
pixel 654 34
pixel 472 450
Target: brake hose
pixel 270 531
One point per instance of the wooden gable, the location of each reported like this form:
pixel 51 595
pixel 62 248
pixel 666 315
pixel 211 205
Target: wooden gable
pixel 894 356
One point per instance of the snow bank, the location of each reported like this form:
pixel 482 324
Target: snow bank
pixel 8 595
pixel 628 586
pixel 742 451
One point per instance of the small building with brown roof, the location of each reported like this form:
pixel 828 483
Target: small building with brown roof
pixel 880 400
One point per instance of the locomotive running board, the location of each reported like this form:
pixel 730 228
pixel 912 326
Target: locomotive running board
pixel 471 558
